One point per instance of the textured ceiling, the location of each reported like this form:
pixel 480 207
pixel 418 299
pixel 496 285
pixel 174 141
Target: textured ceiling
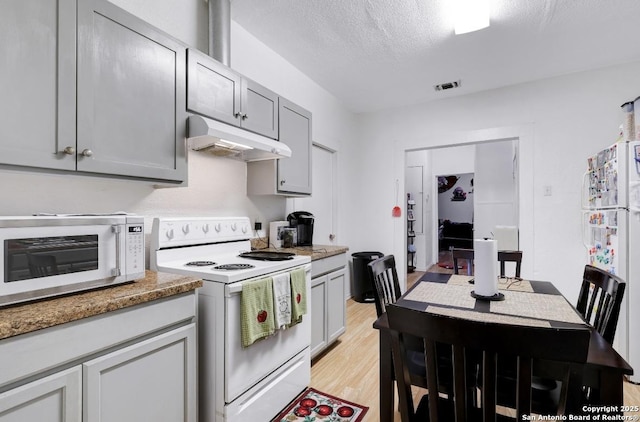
pixel 378 54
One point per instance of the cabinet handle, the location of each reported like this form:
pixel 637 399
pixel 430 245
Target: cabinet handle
pixel 237 115
pixel 87 153
pixel 282 182
pixel 244 116
pixel 69 150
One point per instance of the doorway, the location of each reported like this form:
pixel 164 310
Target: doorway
pixel 493 167
pixel 455 215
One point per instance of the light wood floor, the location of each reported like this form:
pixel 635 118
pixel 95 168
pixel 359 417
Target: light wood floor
pixel 349 369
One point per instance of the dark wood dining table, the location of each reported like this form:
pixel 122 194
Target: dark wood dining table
pixel 604 369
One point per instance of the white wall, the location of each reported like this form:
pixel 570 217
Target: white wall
pixel 453 160
pixel 217 186
pixel 559 122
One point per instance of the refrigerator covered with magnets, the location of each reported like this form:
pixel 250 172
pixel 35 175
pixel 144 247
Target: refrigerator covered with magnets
pixel 611 232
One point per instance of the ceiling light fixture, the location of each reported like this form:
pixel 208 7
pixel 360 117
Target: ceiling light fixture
pixel 470 15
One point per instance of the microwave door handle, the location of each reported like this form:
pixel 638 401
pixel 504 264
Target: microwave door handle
pixel 116 271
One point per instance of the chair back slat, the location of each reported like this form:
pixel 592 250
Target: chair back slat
pixel 489 387
pixel 405 397
pixel 460 382
pixel 495 343
pixel 600 300
pixel 432 376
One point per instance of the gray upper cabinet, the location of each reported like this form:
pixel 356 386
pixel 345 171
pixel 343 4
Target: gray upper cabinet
pixel 216 91
pixel 131 96
pixel 90 88
pixel 286 176
pixel 294 174
pixel 38 91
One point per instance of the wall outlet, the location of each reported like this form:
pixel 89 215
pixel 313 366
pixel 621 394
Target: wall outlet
pixel 257 225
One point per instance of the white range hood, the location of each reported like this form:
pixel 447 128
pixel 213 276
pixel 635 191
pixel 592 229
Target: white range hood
pixel 225 140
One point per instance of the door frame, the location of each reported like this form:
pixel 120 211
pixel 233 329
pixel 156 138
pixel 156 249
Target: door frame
pixel 524 134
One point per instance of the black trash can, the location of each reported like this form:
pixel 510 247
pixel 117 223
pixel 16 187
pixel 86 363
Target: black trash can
pixel 362 282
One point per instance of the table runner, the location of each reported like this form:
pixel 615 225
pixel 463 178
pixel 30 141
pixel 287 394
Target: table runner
pixel 455 295
pixel 442 294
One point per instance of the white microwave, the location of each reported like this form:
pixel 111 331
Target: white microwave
pixel 44 256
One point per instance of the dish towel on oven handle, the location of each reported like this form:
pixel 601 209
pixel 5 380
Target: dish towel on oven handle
pixel 298 295
pixel 282 299
pixel 256 309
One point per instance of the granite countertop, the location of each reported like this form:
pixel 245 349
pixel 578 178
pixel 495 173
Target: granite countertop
pixel 27 317
pixel 315 251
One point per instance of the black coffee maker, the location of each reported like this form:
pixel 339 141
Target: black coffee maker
pixel 303 222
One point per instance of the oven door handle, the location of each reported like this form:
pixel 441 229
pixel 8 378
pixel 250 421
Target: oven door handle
pixel 117 272
pixel 237 287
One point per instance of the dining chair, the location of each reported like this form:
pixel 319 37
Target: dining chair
pixel 600 299
pixel 382 272
pixel 503 258
pixel 494 342
pixel 510 256
pixel 387 291
pixel 460 254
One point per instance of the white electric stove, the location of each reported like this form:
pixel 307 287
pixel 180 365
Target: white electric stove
pixel 235 384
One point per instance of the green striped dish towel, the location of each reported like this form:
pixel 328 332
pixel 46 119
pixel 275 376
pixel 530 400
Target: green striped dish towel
pixel 256 309
pixel 298 295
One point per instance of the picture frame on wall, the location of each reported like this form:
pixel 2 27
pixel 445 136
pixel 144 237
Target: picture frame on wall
pixel 276 229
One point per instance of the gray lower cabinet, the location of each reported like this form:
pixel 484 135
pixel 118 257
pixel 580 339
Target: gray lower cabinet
pixel 218 92
pixel 93 89
pixel 328 305
pixel 134 364
pixel 54 398
pixel 286 176
pixel 146 381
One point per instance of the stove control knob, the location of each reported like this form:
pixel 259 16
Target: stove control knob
pixel 244 229
pixel 185 229
pixel 169 234
pixel 218 227
pixel 234 226
pixel 205 228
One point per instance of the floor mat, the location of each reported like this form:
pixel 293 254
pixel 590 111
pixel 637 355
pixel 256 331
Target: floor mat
pixel 316 405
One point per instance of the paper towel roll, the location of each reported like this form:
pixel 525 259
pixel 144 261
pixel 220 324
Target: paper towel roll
pixel 485 261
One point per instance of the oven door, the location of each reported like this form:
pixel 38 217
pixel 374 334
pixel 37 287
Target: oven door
pixel 245 367
pixel 47 261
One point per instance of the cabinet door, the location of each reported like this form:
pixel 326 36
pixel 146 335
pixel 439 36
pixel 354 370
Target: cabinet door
pixel 294 174
pixel 259 109
pixel 154 380
pixel 214 90
pixel 131 96
pixel 336 305
pixel 318 315
pixel 38 89
pixel 55 398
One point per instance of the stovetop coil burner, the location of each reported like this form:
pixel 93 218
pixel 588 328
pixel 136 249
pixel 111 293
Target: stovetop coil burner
pixel 231 267
pixel 200 263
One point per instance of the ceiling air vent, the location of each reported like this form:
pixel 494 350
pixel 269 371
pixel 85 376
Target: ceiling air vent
pixel 447 85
